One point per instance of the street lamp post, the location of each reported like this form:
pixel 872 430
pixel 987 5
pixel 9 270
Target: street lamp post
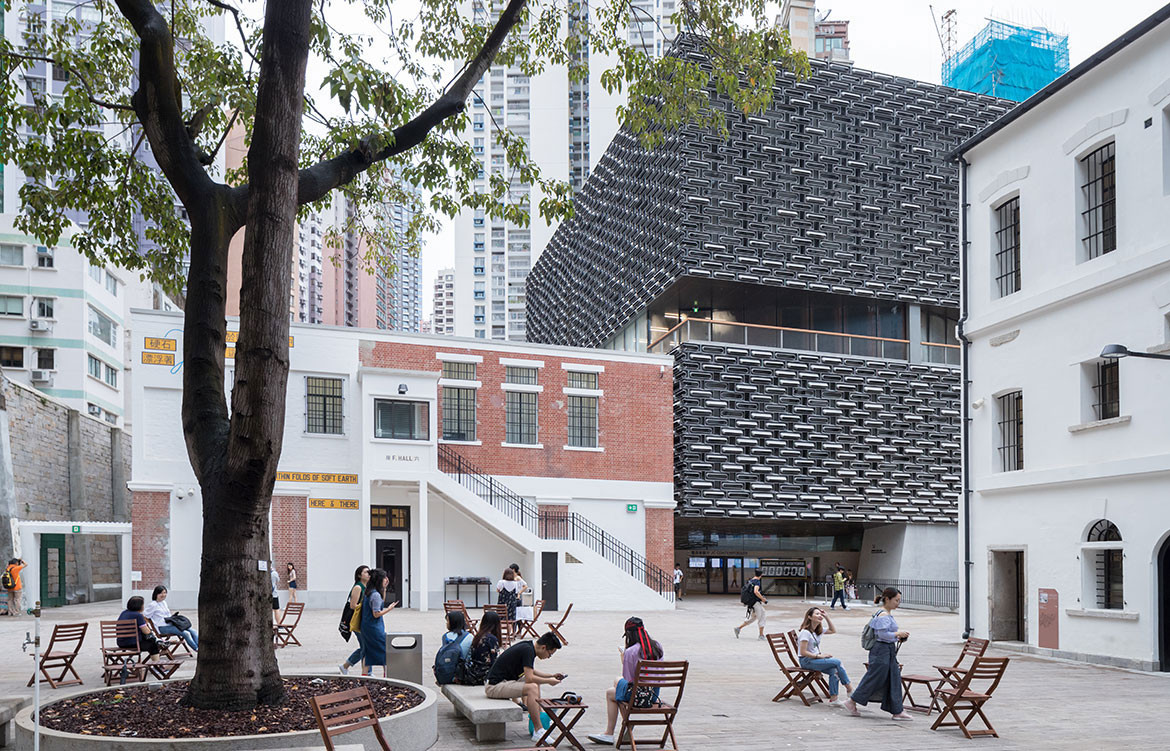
pixel 1118 351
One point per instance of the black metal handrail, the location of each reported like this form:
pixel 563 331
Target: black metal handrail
pixel 934 594
pixel 555 525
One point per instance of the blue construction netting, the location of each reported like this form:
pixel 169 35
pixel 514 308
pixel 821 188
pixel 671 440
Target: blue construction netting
pixel 1007 61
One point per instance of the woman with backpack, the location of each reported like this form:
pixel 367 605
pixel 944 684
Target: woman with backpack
pixel 816 624
pixel 451 659
pixel 373 630
pixel 639 646
pixel 884 677
pixel 485 648
pixel 357 593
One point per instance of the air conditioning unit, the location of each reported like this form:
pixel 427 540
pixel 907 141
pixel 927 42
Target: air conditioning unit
pixel 95 410
pixel 37 324
pixel 42 376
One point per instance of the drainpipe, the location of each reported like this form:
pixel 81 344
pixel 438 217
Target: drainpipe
pixel 965 398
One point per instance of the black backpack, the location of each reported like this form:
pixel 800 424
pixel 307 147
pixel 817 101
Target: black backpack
pixel 448 661
pixel 747 595
pixel 7 580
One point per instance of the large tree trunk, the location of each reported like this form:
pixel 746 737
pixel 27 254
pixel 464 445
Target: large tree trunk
pixel 237 664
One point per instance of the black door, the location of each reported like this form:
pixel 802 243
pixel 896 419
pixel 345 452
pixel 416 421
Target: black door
pixel 548 580
pixel 52 570
pixel 388 554
pixel 1164 605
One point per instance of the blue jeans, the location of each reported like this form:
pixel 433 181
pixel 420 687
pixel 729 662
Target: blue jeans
pixel 829 666
pixel 356 657
pixel 189 635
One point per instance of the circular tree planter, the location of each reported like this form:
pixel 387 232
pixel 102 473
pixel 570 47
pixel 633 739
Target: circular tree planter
pixel 415 729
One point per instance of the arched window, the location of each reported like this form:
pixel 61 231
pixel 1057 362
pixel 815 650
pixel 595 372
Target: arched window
pixel 1104 531
pixel 1106 566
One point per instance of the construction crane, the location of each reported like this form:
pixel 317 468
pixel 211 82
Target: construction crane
pixel 948 32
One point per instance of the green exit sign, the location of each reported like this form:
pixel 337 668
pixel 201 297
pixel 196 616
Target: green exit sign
pixel 631 508
pixel 76 529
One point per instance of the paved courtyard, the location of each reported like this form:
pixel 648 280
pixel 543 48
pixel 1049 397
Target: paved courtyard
pixel 1042 704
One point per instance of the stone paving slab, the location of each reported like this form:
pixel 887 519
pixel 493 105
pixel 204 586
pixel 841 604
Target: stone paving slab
pixel 1041 704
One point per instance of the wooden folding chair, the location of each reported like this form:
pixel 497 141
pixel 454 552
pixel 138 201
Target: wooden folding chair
pixel 457 606
pixel 656 675
pixel 282 630
pixel 798 679
pixel 822 684
pixel 170 643
pixel 64 646
pixel 345 712
pixel 526 627
pixel 961 699
pixel 952 674
pixel 116 659
pixel 556 627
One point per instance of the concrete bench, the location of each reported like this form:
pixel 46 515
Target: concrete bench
pixel 490 716
pixel 8 710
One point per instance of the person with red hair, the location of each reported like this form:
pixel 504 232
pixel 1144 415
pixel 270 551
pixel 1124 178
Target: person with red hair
pixel 639 646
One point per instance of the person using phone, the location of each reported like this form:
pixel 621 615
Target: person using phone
pixel 639 646
pixel 514 676
pixel 373 629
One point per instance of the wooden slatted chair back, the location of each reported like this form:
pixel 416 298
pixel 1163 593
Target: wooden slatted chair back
pixel 67 637
pixel 989 669
pixel 345 712
pixel 293 609
pixel 500 610
pixel 661 674
pixel 537 609
pixel 114 630
pixel 565 617
pixel 973 648
pixel 783 652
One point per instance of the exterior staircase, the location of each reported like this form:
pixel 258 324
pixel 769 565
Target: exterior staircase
pixel 555 525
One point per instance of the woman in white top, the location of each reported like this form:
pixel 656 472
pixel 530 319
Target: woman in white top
pixel 816 624
pixel 158 611
pixel 509 592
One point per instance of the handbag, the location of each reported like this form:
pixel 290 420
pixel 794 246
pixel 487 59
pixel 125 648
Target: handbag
pixel 346 615
pixel 180 622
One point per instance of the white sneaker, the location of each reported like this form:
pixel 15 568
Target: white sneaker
pixel 602 738
pixel 344 670
pixel 537 734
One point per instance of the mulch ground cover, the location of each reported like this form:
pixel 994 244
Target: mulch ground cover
pixel 139 712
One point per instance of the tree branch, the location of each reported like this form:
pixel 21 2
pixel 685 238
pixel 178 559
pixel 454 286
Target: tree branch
pixel 73 72
pixel 317 181
pixel 158 104
pixel 239 26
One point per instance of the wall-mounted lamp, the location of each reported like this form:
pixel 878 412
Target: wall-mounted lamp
pixel 977 403
pixel 402 388
pixel 1118 351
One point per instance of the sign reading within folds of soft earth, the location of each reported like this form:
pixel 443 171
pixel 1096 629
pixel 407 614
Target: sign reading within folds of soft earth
pixel 343 503
pixel 317 477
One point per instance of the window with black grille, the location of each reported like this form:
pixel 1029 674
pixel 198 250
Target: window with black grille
pixel 1099 199
pixel 1007 252
pixel 582 380
pixel 460 371
pixel 1107 566
pixel 324 402
pixel 583 421
pixel 1011 431
pixel 458 414
pixel 521 375
pixel 1106 390
pixel 390 517
pixel 520 417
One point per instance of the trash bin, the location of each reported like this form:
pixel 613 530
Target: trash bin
pixel 404 657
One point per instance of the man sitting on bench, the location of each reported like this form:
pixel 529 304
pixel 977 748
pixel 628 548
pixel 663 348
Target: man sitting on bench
pixel 513 676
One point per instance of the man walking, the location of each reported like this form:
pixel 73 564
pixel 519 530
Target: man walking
pixel 838 588
pixel 754 599
pixel 678 581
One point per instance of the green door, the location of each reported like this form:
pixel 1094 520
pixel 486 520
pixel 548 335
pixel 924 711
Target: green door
pixel 52 571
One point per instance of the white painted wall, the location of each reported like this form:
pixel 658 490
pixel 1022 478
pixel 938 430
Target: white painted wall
pixel 1061 318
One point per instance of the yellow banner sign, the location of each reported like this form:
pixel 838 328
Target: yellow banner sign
pixel 317 477
pixel 230 353
pixel 345 503
pixel 234 336
pixel 166 345
pixel 158 358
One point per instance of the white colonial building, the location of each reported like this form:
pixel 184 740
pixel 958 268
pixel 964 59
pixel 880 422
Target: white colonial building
pixel 1067 230
pixel 435 458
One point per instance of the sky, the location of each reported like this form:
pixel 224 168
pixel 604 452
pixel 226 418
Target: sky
pixel 898 37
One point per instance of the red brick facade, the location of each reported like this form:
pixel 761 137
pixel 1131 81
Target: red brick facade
pixel 635 414
pixel 660 538
pixel 150 538
pixel 290 542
